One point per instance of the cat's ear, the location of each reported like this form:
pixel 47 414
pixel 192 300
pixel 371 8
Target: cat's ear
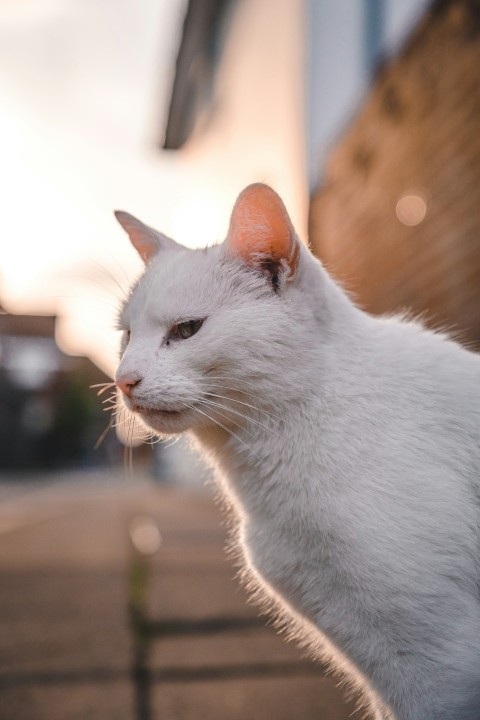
pixel 261 233
pixel 146 241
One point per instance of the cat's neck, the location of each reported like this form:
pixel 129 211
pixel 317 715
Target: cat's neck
pixel 253 460
pixel 266 459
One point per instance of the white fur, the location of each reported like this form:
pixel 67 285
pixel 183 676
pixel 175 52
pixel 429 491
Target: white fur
pixel 350 449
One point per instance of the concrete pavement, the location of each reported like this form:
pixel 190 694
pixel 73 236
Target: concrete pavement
pixel 68 647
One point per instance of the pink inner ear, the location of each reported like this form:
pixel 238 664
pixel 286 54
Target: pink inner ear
pixel 260 225
pixel 140 235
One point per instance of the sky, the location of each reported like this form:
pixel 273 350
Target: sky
pixel 84 89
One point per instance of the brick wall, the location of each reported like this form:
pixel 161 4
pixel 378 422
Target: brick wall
pixel 397 217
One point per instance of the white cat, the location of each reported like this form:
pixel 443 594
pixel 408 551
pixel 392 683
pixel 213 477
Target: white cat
pixel 349 446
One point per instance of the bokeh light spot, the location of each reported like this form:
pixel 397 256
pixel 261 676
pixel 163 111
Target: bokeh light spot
pixel 411 209
pixel 145 535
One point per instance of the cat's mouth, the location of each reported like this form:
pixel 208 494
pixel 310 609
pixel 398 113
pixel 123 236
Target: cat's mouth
pixel 155 411
pixel 159 416
pixel 164 420
pixel 166 413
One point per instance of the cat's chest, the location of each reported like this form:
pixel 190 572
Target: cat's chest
pixel 301 563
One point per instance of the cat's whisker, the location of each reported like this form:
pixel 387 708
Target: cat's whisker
pixel 241 386
pixel 130 458
pixel 128 453
pixel 217 422
pixel 241 402
pixel 143 433
pixel 129 446
pixel 227 430
pixel 171 443
pixel 102 287
pixel 111 301
pixel 128 280
pixel 112 277
pixel 113 396
pixel 121 411
pixel 214 407
pixel 237 412
pixel 121 419
pixel 125 417
pixel 251 419
pixel 247 383
pixel 103 435
pixel 125 454
pixel 110 386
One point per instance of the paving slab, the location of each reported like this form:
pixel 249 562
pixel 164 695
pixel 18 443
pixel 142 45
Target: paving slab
pixel 251 699
pixel 68 649
pixel 67 701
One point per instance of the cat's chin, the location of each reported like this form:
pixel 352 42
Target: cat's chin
pixel 166 422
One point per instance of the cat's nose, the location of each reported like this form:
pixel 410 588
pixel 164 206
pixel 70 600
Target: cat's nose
pixel 126 383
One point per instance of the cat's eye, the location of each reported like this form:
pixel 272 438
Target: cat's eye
pixel 185 330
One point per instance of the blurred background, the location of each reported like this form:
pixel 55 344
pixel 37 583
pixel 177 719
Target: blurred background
pixel 116 599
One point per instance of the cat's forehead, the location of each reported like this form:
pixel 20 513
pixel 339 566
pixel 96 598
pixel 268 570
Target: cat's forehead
pixel 176 283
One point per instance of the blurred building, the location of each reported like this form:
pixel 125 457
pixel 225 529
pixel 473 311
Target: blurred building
pixel 396 217
pixel 345 43
pixel 49 415
pixel 391 128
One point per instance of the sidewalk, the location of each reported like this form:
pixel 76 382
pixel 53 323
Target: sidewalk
pixel 68 649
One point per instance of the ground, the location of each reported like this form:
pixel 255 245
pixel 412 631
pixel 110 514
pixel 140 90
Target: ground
pixel 92 629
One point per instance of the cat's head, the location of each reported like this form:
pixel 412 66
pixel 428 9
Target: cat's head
pixel 215 336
